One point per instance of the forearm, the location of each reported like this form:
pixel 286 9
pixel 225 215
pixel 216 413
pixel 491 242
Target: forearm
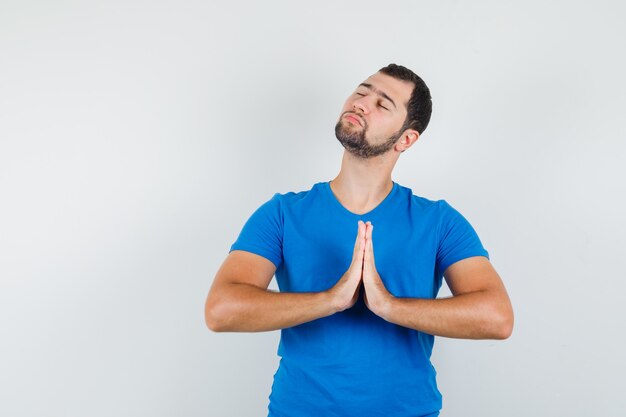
pixel 475 315
pixel 246 308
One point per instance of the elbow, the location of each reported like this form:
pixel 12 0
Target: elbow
pixel 504 332
pixel 503 326
pixel 212 323
pixel 213 316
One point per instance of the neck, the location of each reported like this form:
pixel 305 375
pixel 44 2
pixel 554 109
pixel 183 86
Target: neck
pixel 362 183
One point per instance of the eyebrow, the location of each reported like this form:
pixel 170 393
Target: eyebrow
pixel 380 93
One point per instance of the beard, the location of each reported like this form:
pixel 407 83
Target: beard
pixel 352 137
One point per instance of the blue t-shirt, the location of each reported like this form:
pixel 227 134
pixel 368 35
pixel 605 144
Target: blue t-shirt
pixel 354 363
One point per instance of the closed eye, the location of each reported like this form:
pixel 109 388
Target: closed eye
pixel 362 95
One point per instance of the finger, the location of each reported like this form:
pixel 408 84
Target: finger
pixel 359 235
pixel 362 242
pixel 369 251
pixel 359 244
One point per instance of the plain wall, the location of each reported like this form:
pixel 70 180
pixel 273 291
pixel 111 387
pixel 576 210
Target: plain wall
pixel 137 137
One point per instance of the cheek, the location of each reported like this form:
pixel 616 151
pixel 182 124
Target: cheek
pixel 397 123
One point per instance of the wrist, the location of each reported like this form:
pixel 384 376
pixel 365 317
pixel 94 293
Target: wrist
pixel 330 300
pixel 386 307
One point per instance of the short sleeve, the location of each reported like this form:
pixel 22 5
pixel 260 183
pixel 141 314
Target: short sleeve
pixel 262 233
pixel 457 238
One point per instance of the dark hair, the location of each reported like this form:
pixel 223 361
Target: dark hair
pixel 420 104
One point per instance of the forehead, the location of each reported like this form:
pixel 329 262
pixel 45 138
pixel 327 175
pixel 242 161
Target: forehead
pixel 398 90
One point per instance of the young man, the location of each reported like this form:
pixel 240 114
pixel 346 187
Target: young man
pixel 358 310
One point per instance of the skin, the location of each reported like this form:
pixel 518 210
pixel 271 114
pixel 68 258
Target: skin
pixel 479 308
pixel 378 112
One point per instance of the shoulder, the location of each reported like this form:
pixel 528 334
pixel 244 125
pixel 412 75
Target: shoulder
pixel 419 201
pixel 438 212
pixel 293 198
pixel 289 197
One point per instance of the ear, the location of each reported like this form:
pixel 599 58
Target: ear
pixel 408 138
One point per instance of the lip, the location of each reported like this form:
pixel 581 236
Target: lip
pixel 355 118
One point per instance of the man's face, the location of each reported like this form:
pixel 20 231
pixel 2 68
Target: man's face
pixel 372 116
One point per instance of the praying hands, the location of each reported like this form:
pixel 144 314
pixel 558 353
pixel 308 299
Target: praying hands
pixel 363 271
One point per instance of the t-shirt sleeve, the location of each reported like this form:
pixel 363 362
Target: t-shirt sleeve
pixel 457 238
pixel 262 233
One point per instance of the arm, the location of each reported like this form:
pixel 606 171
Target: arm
pixel 240 301
pixel 479 308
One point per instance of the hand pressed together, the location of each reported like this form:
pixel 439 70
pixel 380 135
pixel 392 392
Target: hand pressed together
pixel 362 270
pixel 377 298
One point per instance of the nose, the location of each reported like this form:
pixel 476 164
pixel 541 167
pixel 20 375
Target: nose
pixel 361 105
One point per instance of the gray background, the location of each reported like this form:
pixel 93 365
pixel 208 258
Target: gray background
pixel 137 137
